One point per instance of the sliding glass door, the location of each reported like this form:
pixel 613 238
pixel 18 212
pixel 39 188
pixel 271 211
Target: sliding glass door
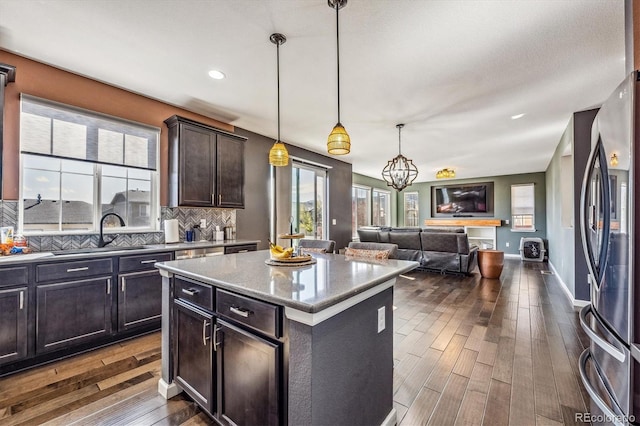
pixel 309 201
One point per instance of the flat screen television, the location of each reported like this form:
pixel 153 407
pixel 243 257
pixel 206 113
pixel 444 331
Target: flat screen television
pixel 469 199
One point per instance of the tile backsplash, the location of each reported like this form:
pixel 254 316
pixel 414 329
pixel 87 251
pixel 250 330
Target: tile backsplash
pixel 187 217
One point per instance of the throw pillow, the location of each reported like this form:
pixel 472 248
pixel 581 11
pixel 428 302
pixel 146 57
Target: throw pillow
pixel 312 250
pixel 367 254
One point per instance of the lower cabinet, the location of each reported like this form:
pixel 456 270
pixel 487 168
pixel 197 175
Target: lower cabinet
pixel 139 300
pixel 13 324
pixel 193 359
pixel 248 377
pixel 71 313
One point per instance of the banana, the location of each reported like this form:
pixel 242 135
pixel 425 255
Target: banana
pixel 285 254
pixel 275 247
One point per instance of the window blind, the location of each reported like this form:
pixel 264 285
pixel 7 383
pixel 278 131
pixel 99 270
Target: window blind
pixel 58 130
pixel 522 200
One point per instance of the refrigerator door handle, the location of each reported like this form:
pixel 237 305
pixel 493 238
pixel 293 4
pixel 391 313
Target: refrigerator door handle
pixel 608 347
pixel 635 351
pixel 608 412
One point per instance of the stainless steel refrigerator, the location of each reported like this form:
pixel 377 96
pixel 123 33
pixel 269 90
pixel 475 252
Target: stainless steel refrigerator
pixel 609 367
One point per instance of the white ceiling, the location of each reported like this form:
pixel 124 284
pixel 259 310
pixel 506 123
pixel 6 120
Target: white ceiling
pixel 453 71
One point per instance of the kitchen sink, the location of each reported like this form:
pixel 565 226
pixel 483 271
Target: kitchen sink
pixel 90 250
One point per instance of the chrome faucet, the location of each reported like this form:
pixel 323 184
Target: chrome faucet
pixel 102 242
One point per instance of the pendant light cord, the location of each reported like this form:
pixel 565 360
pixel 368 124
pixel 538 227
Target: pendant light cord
pixel 399 140
pixel 278 77
pixel 338 52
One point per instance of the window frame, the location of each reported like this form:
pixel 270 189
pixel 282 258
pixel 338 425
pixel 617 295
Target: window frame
pixel 515 218
pixel 354 230
pixel 154 182
pixel 387 205
pixel 404 207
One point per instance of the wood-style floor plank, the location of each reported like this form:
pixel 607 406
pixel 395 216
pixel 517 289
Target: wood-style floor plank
pixel 467 351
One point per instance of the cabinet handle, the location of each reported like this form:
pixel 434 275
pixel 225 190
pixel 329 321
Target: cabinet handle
pixel 215 338
pixel 190 292
pixel 108 285
pixel 205 324
pixel 239 311
pixel 213 199
pixel 84 268
pixel 123 285
pixel 21 300
pixel 219 198
pixel 144 262
pixel 243 251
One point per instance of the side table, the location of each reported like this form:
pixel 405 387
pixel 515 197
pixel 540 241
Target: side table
pixel 490 263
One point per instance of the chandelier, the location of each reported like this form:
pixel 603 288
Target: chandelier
pixel 400 172
pixel 338 142
pixel 278 155
pixel 445 174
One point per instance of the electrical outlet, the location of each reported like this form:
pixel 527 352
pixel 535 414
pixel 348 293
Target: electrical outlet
pixel 507 243
pixel 381 319
pixel 203 223
pixel 506 222
pixel 334 222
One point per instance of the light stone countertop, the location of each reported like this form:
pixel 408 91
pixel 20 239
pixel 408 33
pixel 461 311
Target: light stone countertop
pixel 312 288
pixel 116 251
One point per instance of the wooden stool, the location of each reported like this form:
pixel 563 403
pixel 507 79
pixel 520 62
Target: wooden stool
pixel 490 263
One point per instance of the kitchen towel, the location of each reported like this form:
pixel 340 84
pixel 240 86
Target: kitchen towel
pixel 171 231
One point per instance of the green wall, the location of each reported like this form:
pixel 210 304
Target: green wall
pixel 358 179
pixel 502 205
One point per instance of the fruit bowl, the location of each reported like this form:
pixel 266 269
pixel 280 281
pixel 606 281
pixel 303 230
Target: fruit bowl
pixel 293 259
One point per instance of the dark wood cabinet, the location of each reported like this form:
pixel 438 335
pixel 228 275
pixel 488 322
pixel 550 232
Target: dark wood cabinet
pixel 70 313
pixel 248 377
pixel 193 359
pixel 139 300
pixel 206 165
pixel 230 172
pixel 13 324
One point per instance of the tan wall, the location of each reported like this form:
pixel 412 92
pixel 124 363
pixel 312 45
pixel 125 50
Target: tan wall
pixel 37 79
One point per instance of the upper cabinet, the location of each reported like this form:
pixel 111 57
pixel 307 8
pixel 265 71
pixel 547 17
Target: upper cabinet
pixel 206 165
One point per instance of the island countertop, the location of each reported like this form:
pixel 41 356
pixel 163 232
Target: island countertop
pixel 311 289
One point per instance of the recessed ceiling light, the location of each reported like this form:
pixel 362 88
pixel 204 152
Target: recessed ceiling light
pixel 217 75
pixel 515 117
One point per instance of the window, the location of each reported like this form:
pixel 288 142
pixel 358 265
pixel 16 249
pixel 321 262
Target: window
pixel 308 200
pixel 77 165
pixel 360 208
pixel 381 208
pixel 523 207
pixel 411 209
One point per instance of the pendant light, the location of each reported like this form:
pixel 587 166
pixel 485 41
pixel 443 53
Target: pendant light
pixel 400 172
pixel 278 155
pixel 338 142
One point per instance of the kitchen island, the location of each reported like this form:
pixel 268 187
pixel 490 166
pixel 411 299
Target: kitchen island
pixel 259 344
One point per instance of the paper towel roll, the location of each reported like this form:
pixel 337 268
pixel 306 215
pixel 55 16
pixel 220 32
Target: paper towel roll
pixel 171 231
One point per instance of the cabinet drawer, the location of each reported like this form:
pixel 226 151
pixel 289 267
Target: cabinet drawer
pixel 261 316
pixel 73 270
pixel 142 262
pixel 199 294
pixel 240 249
pixel 17 275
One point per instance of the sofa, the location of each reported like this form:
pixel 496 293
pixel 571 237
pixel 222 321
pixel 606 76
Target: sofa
pixel 444 250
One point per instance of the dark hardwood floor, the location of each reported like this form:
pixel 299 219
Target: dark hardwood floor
pixel 467 350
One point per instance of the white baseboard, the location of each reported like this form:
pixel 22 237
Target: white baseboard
pixel 575 302
pixel 512 256
pixel 168 391
pixel 392 418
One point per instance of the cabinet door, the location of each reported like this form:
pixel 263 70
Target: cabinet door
pixel 193 357
pixel 13 324
pixel 249 373
pixel 230 172
pixel 197 164
pixel 139 300
pixel 71 313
